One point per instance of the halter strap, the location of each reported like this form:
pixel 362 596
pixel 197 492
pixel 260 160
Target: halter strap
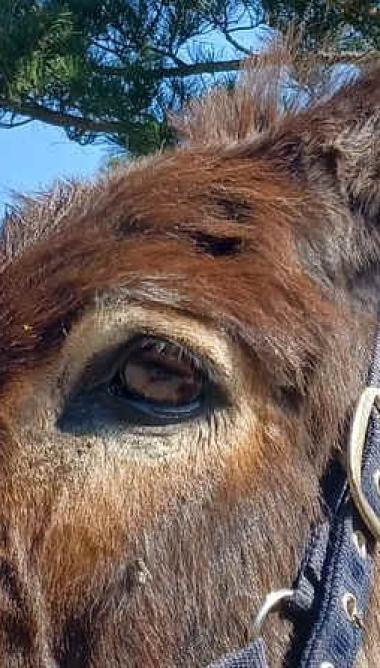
pixel 252 656
pixel 332 590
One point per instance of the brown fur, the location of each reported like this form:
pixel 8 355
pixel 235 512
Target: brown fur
pixel 262 229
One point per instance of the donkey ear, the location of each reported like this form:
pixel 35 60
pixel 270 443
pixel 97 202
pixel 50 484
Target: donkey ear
pixel 347 132
pixel 357 144
pixel 342 136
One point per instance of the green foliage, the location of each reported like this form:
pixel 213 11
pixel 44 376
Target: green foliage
pixel 113 68
pixel 348 25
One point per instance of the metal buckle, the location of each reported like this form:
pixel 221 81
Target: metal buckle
pixel 369 397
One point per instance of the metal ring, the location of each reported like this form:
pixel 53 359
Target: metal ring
pixel 270 604
pixel 349 603
pixel 359 540
pixel 369 397
pixel 376 480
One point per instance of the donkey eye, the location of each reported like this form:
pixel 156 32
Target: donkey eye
pixel 160 377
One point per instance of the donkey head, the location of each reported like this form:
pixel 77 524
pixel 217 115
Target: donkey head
pixel 180 351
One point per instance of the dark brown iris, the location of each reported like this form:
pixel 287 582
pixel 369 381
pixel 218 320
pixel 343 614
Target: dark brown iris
pixel 161 373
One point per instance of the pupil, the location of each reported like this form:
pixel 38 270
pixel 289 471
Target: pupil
pixel 160 383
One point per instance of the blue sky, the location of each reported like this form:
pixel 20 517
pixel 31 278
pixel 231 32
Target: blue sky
pixel 34 155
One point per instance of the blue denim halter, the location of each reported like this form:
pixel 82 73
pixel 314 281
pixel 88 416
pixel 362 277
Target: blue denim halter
pixel 330 597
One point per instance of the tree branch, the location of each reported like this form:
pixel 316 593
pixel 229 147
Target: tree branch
pixel 182 71
pixel 222 27
pixel 356 57
pixel 30 109
pixel 14 124
pixel 194 69
pixel 234 42
pixel 103 47
pixel 36 112
pixel 216 67
pixel 253 26
pixel 168 54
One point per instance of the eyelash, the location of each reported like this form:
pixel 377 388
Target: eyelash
pixel 161 346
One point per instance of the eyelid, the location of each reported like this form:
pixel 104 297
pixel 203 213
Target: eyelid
pixel 102 367
pixel 95 342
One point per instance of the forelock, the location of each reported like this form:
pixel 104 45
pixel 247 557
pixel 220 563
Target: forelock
pixel 270 87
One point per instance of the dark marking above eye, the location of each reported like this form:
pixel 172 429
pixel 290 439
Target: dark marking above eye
pixel 217 246
pixel 235 210
pixel 129 227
